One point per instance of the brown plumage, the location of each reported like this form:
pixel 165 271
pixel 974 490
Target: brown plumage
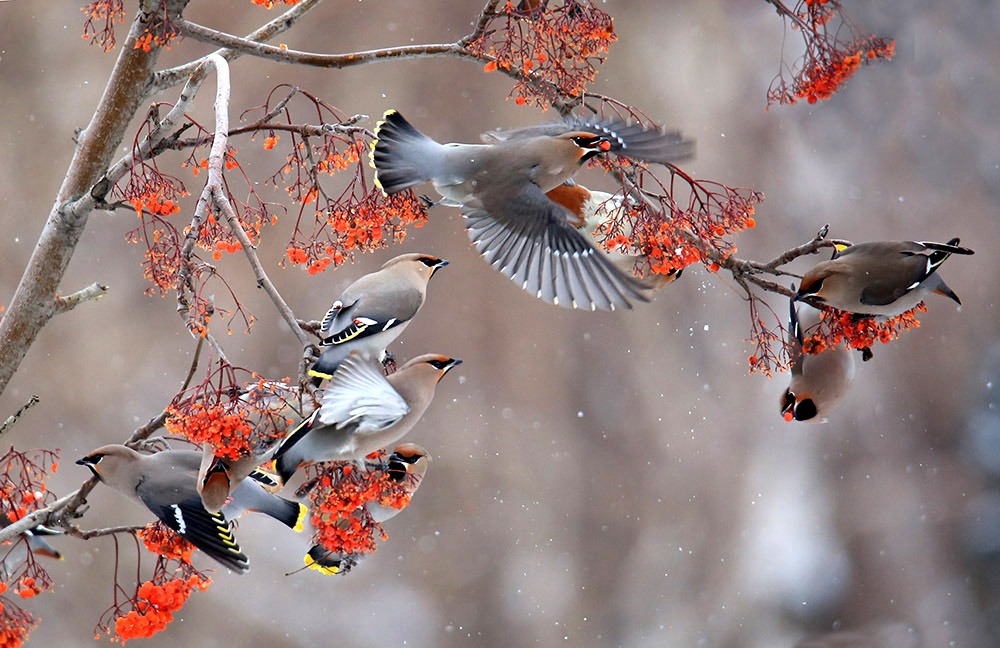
pixel 593 208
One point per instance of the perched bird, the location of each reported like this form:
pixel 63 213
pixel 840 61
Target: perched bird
pixel 819 381
pixel 407 466
pixel 362 411
pixel 374 310
pixel 15 554
pixel 166 483
pixel 592 209
pixel 880 278
pixel 219 476
pixel 501 187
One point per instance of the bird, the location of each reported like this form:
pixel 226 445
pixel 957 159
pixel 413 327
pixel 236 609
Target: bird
pixel 166 483
pixel 501 186
pixel 362 410
pixel 14 556
pixel 880 278
pixel 219 476
pixel 270 403
pixel 819 381
pixel 592 209
pixel 406 466
pixel 374 310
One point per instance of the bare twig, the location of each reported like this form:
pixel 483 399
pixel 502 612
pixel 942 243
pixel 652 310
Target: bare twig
pixel 457 49
pixel 172 76
pixel 785 12
pixel 96 533
pixel 71 301
pixel 12 419
pixel 215 193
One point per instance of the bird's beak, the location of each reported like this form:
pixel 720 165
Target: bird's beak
pixel 452 363
pixel 440 264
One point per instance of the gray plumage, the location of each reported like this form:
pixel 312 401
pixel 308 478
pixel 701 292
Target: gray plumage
pixel 881 278
pixel 362 411
pixel 166 483
pixel 501 188
pixel 374 310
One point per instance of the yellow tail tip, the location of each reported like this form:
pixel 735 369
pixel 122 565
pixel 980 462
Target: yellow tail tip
pixel 300 521
pixel 312 564
pixel 319 374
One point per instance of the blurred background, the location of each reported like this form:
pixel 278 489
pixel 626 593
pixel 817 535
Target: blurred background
pixel 598 479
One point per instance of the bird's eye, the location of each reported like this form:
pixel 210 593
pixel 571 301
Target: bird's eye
pixel 438 364
pixel 813 288
pixel 805 410
pixel 400 459
pixel 96 458
pixel 788 400
pixel 586 141
pixel 397 471
pixel 430 262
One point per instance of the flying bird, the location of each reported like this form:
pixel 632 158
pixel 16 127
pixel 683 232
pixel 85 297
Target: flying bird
pixel 501 186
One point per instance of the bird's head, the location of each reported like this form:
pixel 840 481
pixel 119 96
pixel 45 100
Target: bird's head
pixel 108 460
pixel 798 407
pixel 408 459
pixel 588 145
pixel 425 265
pixel 812 285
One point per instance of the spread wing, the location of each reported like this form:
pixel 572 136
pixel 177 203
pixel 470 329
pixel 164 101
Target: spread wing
pixel 528 238
pixel 631 140
pixel 359 394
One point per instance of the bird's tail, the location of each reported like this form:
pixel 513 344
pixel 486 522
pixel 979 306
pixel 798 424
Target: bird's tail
pixel 327 364
pixel 328 562
pixel 287 460
pixel 941 251
pixel 400 154
pixel 291 514
pixel 251 495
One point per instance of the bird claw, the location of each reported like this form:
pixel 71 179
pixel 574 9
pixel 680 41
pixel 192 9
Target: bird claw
pixel 426 200
pixel 389 363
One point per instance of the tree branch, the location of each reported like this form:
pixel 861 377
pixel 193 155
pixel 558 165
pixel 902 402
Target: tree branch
pixel 31 307
pixel 215 194
pixel 59 512
pixel 170 77
pixel 12 419
pixel 458 49
pixel 71 301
